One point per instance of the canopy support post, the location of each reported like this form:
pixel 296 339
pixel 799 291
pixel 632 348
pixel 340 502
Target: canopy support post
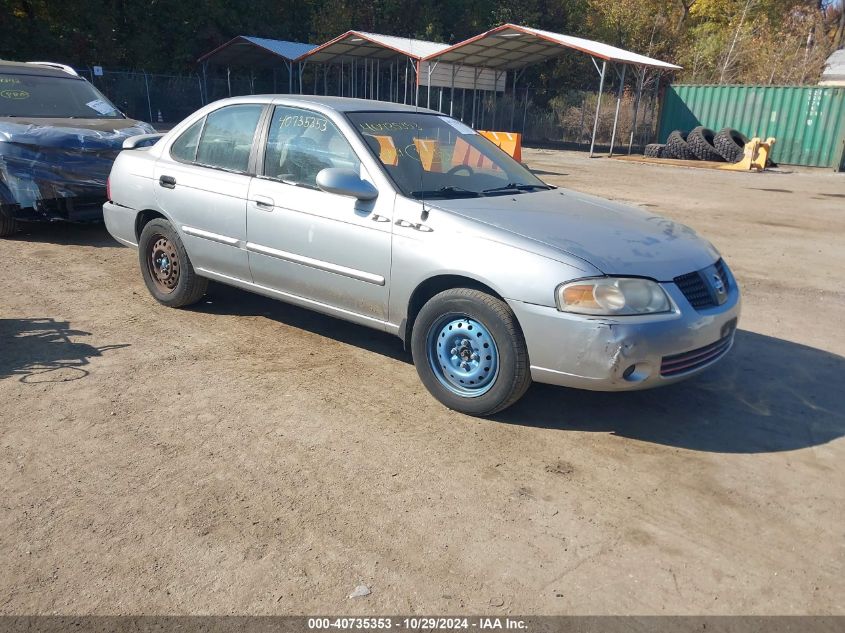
pixel 618 104
pixel 525 111
pixel 495 96
pixel 416 67
pixel 407 61
pixel 452 95
pixel 598 104
pixel 428 96
pixel 474 84
pixel 513 100
pixel 428 88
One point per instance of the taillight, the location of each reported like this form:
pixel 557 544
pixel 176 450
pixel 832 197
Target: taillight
pixel 108 189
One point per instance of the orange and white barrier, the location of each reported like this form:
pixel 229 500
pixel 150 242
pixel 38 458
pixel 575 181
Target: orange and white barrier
pixel 508 142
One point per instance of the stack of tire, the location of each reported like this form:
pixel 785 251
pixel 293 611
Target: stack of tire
pixel 727 145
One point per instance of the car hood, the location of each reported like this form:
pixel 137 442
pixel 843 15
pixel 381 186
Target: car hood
pixel 615 238
pixel 71 134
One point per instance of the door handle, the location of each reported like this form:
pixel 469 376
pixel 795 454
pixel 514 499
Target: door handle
pixel 380 218
pixel 264 202
pixel 168 182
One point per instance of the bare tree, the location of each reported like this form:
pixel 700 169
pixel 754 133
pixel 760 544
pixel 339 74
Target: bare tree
pixel 730 57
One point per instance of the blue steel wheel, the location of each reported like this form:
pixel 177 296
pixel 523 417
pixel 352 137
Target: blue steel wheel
pixel 463 355
pixel 469 351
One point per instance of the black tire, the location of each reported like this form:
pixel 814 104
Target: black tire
pixel 174 284
pixel 513 375
pixel 677 146
pixel 730 144
pixel 700 142
pixel 654 150
pixel 7 225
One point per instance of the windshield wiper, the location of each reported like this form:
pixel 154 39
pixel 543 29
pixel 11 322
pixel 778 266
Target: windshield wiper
pixel 515 186
pixel 445 192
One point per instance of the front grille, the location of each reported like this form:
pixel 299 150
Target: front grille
pixel 696 287
pixel 695 290
pixel 689 361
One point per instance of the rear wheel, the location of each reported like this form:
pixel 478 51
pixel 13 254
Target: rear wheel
pixel 469 352
pixel 166 267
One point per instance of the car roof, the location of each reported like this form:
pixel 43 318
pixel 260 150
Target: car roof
pixel 23 68
pixel 339 104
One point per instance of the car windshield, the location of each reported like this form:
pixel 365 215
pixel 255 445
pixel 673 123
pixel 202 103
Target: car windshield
pixel 434 156
pixel 39 96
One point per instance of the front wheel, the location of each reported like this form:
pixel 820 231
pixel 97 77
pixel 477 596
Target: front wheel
pixel 166 267
pixel 469 352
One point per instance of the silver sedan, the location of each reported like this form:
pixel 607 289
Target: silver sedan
pixel 405 220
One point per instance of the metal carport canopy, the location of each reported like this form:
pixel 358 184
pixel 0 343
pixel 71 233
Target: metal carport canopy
pixel 245 50
pixel 370 49
pixel 255 52
pixel 513 47
pixel 370 45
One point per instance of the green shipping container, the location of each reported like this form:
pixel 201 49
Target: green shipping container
pixel 807 121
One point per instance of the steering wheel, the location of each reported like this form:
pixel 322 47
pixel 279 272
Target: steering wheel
pixel 457 168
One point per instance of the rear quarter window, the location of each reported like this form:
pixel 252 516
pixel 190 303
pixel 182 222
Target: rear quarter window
pixel 184 148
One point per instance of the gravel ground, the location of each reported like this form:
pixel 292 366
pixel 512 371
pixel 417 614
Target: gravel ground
pixel 250 457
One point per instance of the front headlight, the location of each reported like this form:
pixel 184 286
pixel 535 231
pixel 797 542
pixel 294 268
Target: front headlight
pixel 612 296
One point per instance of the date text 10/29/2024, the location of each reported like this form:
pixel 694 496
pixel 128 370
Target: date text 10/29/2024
pixel 416 624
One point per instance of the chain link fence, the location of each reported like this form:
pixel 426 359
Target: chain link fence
pixel 167 99
pixel 567 120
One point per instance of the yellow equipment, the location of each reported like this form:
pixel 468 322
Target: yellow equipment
pixel 756 155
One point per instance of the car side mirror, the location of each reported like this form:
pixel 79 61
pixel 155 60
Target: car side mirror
pixel 345 182
pixel 141 140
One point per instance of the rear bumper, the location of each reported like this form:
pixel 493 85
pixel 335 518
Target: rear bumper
pixel 120 222
pixel 624 354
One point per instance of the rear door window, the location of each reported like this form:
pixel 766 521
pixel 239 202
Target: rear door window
pixel 227 136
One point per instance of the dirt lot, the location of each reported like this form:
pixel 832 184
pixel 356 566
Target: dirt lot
pixel 250 457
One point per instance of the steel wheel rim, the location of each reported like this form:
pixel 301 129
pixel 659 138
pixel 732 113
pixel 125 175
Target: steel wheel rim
pixel 463 355
pixel 163 264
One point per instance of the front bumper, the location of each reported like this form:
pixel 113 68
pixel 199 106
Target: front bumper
pixel 85 208
pixel 598 353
